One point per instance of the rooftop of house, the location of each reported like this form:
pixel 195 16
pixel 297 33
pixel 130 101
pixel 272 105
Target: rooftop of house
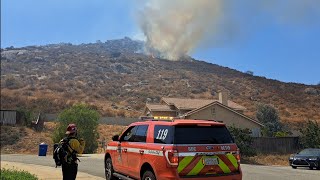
pixel 193 105
pixel 190 104
pixel 158 107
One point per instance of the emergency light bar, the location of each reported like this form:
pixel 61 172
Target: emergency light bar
pixel 169 118
pixel 157 118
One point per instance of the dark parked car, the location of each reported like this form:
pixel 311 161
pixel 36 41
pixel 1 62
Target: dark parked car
pixel 306 158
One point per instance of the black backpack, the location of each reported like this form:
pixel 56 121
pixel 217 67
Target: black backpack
pixel 62 154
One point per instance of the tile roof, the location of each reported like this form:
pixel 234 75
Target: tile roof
pixel 235 106
pixel 187 103
pixel 190 104
pixel 158 107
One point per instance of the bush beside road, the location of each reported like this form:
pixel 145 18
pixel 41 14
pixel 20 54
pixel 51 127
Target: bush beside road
pixel 13 174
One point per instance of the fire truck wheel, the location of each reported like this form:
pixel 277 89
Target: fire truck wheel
pixel 148 175
pixel 109 169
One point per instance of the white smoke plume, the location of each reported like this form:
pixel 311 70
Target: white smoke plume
pixel 173 28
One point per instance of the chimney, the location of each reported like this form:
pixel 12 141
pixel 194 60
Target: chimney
pixel 223 97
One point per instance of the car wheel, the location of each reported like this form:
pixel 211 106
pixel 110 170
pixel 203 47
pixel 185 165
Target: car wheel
pixel 148 175
pixel 294 167
pixel 310 167
pixel 109 169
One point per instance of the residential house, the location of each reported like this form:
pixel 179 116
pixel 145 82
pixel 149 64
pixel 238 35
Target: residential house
pixel 221 110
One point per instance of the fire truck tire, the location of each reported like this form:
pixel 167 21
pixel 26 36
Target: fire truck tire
pixel 148 175
pixel 109 169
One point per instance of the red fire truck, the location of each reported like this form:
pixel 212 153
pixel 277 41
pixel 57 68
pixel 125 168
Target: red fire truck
pixel 174 149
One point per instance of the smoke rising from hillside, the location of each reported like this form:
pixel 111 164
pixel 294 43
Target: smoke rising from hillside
pixel 173 28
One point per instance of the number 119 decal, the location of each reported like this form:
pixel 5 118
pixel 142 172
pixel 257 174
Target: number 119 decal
pixel 162 134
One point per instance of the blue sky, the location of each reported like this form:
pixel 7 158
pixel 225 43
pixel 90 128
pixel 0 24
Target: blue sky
pixel 285 51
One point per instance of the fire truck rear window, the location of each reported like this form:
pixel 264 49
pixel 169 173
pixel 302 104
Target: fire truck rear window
pixel 202 135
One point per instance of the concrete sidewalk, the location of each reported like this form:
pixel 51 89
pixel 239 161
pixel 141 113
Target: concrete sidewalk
pixel 44 172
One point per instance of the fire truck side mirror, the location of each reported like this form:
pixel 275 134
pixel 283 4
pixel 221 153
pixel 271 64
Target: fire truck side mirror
pixel 115 138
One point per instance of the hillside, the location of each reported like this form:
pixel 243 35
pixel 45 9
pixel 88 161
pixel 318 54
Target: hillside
pixel 115 78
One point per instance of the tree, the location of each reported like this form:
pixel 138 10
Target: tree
pixel 268 115
pixel 86 120
pixel 243 140
pixel 310 135
pixel 26 116
pixel 249 72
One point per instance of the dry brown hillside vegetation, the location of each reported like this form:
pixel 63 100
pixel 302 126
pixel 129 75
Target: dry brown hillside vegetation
pixel 117 80
pixel 23 140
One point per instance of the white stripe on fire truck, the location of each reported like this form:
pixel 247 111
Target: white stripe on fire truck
pixel 203 144
pixel 112 148
pixel 160 153
pixel 184 154
pixel 137 150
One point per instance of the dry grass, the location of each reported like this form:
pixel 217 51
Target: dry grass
pixel 267 159
pixel 28 141
pixel 106 132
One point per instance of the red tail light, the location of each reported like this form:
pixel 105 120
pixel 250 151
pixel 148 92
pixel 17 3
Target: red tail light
pixel 238 155
pixel 172 157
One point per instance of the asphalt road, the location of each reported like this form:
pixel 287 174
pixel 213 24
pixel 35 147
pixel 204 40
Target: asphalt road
pixel 254 172
pixel 93 164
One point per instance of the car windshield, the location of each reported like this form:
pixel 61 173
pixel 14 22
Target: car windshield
pixel 310 152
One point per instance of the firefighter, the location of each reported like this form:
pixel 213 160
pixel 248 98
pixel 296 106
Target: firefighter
pixel 76 146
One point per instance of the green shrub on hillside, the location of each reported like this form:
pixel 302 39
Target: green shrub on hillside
pixel 310 135
pixel 86 120
pixel 10 174
pixel 269 116
pixel 26 115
